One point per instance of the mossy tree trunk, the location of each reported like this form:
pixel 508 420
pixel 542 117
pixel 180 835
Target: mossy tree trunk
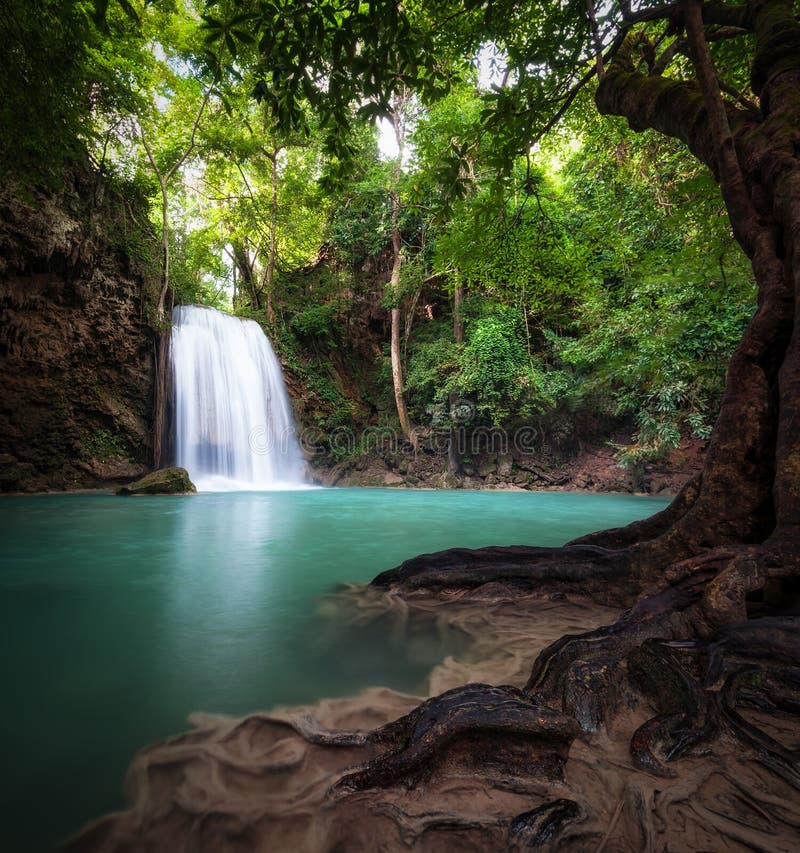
pixel 749 494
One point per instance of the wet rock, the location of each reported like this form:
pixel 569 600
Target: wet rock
pixel 18 476
pixel 448 480
pixel 504 466
pixel 487 468
pixel 165 481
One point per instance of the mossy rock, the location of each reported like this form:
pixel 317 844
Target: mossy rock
pixel 165 481
pixel 448 480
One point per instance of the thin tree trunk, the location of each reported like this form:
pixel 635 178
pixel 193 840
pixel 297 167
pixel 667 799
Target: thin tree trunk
pixel 269 277
pixel 398 122
pixel 454 443
pixel 244 266
pixel 396 315
pixel 458 320
pixel 163 182
pixel 165 255
pixel 160 395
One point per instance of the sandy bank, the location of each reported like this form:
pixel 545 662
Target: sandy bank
pixel 264 782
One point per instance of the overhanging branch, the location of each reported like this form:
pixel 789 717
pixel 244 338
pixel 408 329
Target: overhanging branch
pixel 742 214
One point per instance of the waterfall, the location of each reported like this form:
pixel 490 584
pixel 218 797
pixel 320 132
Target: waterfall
pixel 233 424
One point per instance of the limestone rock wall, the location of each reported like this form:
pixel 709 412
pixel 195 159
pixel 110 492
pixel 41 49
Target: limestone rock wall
pixel 76 352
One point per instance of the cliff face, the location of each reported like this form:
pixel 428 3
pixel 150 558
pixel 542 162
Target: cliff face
pixel 76 353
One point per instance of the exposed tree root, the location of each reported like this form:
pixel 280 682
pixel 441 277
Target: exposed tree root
pixel 484 768
pixel 575 759
pixel 591 570
pixel 646 529
pixel 667 650
pixel 539 827
pixel 763 686
pixel 474 728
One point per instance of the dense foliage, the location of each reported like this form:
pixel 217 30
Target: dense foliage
pixel 596 275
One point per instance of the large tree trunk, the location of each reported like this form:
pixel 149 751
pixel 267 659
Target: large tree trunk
pixel 750 485
pixel 742 515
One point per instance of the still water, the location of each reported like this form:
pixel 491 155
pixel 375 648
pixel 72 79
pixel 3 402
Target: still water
pixel 120 616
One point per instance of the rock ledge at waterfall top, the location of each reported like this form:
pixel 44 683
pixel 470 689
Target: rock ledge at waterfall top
pixel 165 481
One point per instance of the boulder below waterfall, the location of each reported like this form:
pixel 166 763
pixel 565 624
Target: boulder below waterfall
pixel 165 481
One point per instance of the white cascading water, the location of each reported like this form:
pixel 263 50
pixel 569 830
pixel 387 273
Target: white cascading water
pixel 232 417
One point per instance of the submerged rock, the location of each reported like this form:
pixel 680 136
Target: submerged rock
pixel 165 481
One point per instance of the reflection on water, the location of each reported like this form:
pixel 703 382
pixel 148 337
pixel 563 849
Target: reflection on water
pixel 120 617
pixel 224 573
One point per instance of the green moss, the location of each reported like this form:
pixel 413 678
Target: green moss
pixel 166 481
pixel 101 444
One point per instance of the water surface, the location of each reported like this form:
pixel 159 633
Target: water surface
pixel 118 617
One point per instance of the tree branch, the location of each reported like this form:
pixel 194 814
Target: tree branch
pixel 190 147
pixel 667 55
pixel 610 55
pixel 723 14
pixel 742 213
pixel 657 13
pixel 678 45
pixel 740 98
pixel 151 157
pixel 598 43
pixel 713 13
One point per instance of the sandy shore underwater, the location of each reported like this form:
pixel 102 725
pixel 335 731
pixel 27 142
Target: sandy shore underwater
pixel 263 782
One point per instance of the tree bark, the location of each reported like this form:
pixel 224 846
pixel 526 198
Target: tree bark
pixel 454 445
pixel 749 461
pixel 244 266
pixel 398 123
pixel 269 273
